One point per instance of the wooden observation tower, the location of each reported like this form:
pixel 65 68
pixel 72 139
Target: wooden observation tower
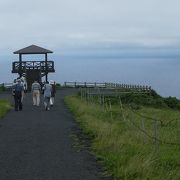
pixel 33 70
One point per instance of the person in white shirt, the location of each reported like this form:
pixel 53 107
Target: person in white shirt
pixel 53 84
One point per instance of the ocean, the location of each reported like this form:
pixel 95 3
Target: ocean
pixel 162 74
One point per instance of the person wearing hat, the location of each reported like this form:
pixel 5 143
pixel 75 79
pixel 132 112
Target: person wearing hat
pixel 18 93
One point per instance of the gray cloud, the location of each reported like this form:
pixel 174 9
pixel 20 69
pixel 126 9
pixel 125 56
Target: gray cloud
pixel 63 24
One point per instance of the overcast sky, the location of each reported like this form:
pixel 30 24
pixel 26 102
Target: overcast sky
pixel 70 24
pixel 112 28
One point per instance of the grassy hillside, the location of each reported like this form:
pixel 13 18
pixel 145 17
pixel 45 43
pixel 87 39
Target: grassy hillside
pixel 134 142
pixel 4 107
pixel 2 88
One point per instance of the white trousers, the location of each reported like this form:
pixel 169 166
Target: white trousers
pixel 36 97
pixel 51 100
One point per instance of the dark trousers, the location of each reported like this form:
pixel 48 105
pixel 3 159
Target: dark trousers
pixel 17 100
pixel 47 102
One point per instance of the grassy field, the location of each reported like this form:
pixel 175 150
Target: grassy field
pixel 2 88
pixel 132 144
pixel 4 107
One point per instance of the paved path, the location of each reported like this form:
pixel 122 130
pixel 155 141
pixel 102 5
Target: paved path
pixel 37 145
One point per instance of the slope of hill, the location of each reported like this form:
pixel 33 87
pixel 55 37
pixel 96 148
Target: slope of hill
pixel 136 139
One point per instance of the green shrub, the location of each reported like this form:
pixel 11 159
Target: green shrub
pixel 4 107
pixel 172 102
pixel 2 88
pixel 155 94
pixel 144 99
pixel 58 86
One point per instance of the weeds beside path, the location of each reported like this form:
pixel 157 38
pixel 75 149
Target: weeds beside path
pixel 4 107
pixel 125 151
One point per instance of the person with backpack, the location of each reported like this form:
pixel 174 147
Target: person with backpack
pixel 47 95
pixel 18 93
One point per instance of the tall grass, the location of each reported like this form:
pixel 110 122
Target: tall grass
pixel 2 88
pixel 125 151
pixel 4 107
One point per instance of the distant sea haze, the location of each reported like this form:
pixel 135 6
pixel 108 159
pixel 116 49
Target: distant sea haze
pixel 162 74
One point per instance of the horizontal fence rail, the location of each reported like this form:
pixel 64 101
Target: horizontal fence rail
pixel 108 86
pixel 84 84
pixel 6 85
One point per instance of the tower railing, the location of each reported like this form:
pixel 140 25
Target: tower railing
pixel 32 65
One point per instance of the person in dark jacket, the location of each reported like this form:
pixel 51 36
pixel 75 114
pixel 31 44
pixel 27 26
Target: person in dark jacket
pixel 18 93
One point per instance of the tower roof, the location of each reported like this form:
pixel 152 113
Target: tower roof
pixel 33 49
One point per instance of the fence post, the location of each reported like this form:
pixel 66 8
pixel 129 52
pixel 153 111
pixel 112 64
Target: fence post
pixel 87 95
pixel 143 128
pixel 81 93
pixel 110 107
pixel 156 134
pixel 85 92
pixel 103 102
pixel 121 107
pixel 90 96
pixel 106 105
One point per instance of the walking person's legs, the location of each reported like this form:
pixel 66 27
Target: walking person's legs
pixel 52 101
pixel 15 102
pixel 20 102
pixel 46 103
pixel 34 98
pixel 37 98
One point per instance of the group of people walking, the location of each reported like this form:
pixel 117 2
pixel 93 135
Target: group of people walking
pixel 48 89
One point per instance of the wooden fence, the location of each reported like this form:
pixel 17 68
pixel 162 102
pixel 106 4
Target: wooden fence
pixel 109 100
pixel 6 85
pixel 108 86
